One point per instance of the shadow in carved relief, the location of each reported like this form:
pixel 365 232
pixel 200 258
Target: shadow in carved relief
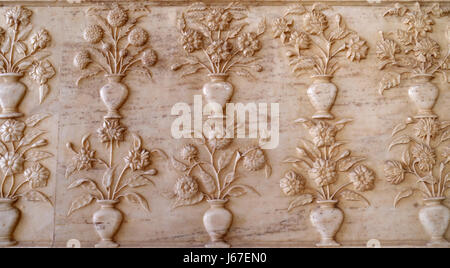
pixel 411 52
pixel 118 47
pixel 313 38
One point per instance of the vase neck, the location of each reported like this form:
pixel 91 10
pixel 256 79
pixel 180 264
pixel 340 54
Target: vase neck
pixel 217 203
pixel 6 203
pixel 10 77
pixel 423 78
pixel 114 78
pixel 327 203
pixel 218 77
pixel 322 78
pixel 431 202
pixel 107 203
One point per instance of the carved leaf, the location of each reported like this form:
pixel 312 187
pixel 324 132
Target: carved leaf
pixel 137 199
pixel 188 202
pixel 137 142
pixel 347 163
pixel 6 44
pixel 295 10
pixel 229 178
pixel 224 160
pixel 138 181
pixel 207 181
pixel 198 6
pixel 80 202
pixel 191 70
pixel 268 170
pixel 261 27
pixel 403 194
pixel 178 165
pixel 35 156
pixel 108 177
pixel 181 23
pixel 406 157
pixel 399 128
pixel 319 7
pixel 21 47
pixel 445 136
pixel 397 10
pixel 34 195
pixel 350 195
pixel 311 148
pixel 30 136
pixel 401 140
pixel 301 200
pixel 70 170
pixel 236 30
pixel 87 184
pixel 389 81
pixel 35 119
pixel 238 190
pixel 292 160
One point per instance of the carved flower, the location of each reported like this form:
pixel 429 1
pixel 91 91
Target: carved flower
pixel 282 29
pixel 138 37
pixel 254 160
pixel 40 39
pixel 323 172
pixel 12 130
pixel 424 156
pixel 41 71
pixel 218 19
pixel 446 155
pixel 149 58
pixel 18 16
pixel 82 60
pixel 93 34
pixel 37 175
pixel 418 23
pixel 394 172
pixel 137 159
pixel 186 187
pixel 219 51
pixel 111 131
pixel 362 178
pixel 189 152
pixel 315 22
pixel 356 49
pixel 11 163
pixel 427 127
pixel 292 183
pixel 323 134
pixel 426 49
pixel 217 139
pixel 300 40
pixel 84 159
pixel 248 44
pixel 192 41
pixel 386 49
pixel 117 17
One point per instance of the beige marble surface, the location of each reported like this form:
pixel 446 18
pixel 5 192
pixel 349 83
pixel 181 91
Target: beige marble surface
pixel 259 221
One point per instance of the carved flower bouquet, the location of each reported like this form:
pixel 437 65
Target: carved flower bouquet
pixel 420 159
pixel 134 174
pixel 117 46
pixel 213 39
pixel 20 167
pixel 20 53
pixel 324 161
pixel 413 53
pixel 315 48
pixel 215 179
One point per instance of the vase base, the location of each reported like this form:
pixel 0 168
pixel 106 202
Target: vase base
pixel 425 115
pixel 438 243
pixel 7 243
pixel 323 115
pixel 112 115
pixel 107 244
pixel 218 244
pixel 7 115
pixel 328 243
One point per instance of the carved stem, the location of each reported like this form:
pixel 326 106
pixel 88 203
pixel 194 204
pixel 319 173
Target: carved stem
pixel 118 182
pixel 340 188
pixel 17 188
pixel 2 186
pixel 13 181
pixel 11 49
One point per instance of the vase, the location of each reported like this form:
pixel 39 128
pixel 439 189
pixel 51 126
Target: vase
pixel 217 221
pixel 9 218
pixel 218 90
pixel 424 94
pixel 322 94
pixel 113 95
pixel 12 92
pixel 107 221
pixel 434 218
pixel 327 219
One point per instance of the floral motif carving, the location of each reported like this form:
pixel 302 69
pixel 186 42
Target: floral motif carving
pixel 117 46
pixel 216 34
pixel 135 173
pixel 22 51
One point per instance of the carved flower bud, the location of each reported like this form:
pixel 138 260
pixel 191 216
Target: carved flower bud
pixel 362 178
pixel 185 187
pixel 82 60
pixel 254 160
pixel 40 39
pixel 394 172
pixel 149 58
pixel 117 17
pixel 292 183
pixel 93 34
pixel 189 152
pixel 138 37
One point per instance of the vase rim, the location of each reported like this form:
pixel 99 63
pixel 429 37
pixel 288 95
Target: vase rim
pixel 107 202
pixel 114 75
pixel 430 76
pixel 327 201
pixel 218 75
pixel 434 199
pixel 8 200
pixel 217 201
pixel 11 74
pixel 322 76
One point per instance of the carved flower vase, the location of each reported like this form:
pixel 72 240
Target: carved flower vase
pixel 322 94
pixel 327 219
pixel 217 221
pixel 424 94
pixel 435 218
pixel 12 92
pixel 107 221
pixel 113 95
pixel 218 90
pixel 9 218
